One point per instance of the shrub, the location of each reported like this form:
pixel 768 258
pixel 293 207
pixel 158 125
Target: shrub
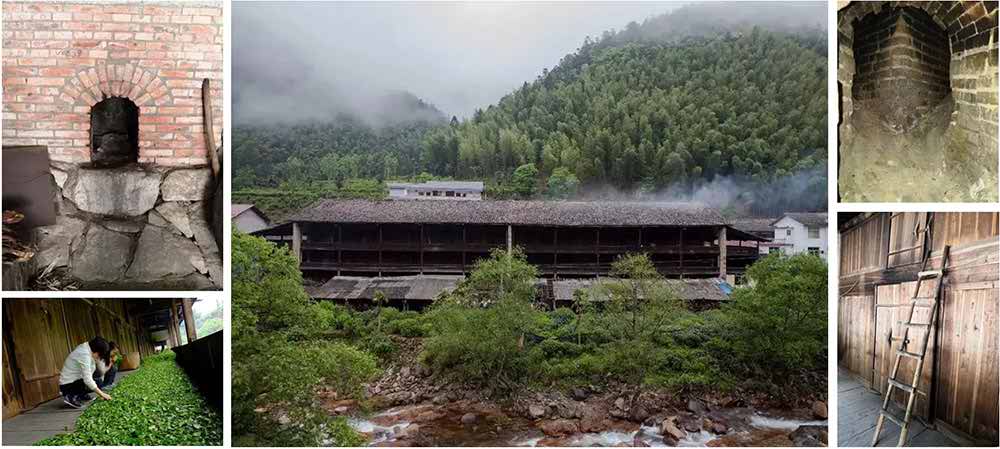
pixel 157 405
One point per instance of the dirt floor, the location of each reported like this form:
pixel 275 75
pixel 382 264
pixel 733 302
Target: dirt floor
pixel 914 159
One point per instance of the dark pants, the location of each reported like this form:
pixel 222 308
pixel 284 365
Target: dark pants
pixel 109 377
pixel 75 389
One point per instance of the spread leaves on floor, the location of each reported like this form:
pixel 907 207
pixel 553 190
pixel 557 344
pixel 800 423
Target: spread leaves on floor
pixel 155 406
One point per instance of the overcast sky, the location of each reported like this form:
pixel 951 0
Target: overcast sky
pixel 300 60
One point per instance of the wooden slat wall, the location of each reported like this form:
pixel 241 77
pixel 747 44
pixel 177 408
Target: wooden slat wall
pixel 863 247
pixel 42 332
pixel 966 390
pixel 906 238
pixel 855 345
pixel 887 320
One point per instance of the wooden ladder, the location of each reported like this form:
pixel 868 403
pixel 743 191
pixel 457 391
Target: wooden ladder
pixel 911 388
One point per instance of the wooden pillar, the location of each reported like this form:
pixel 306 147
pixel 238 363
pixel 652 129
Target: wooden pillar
pixel 420 249
pixel 510 239
pixel 555 255
pixel 340 246
pixel 465 244
pixel 192 333
pixel 597 252
pixel 297 242
pixel 173 327
pixel 723 243
pixel 380 250
pixel 681 240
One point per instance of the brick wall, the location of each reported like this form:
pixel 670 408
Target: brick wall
pixel 59 59
pixel 971 29
pixel 901 51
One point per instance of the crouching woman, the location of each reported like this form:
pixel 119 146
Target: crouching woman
pixel 76 380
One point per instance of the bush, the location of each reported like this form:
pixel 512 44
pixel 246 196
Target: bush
pixel 778 324
pixel 155 406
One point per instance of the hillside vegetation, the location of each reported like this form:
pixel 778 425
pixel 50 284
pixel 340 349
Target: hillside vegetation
pixel 640 110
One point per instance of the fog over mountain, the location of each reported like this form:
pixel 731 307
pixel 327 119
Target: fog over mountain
pixel 295 62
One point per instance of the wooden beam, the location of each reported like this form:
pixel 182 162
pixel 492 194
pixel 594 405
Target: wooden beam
pixel 192 333
pixel 723 243
pixel 297 241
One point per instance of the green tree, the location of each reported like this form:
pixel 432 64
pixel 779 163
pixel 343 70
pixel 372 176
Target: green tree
pixel 525 180
pixel 562 184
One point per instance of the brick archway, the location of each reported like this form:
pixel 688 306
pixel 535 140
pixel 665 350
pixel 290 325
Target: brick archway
pixel 127 80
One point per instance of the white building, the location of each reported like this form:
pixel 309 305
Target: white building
pixel 247 218
pixel 437 190
pixel 799 232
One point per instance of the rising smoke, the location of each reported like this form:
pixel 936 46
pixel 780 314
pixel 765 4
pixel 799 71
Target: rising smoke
pixel 803 191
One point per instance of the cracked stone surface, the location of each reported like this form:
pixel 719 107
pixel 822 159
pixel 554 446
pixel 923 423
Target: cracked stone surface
pixel 124 192
pixel 101 255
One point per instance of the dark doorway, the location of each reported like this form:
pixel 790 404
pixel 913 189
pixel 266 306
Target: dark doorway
pixel 114 132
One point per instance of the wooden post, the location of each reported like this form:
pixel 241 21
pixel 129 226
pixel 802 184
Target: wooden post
pixel 192 333
pixel 597 252
pixel 340 246
pixel 174 328
pixel 722 252
pixel 555 255
pixel 510 239
pixel 297 242
pixel 380 250
pixel 465 244
pixel 420 248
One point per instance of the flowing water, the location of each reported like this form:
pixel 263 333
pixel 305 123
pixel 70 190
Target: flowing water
pixel 391 427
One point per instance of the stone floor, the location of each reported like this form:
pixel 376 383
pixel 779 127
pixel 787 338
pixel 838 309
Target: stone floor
pixel 857 409
pixel 48 419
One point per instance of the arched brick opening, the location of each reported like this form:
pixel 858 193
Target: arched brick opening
pixel 114 132
pixel 903 58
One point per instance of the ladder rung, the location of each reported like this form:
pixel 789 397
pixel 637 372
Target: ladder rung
pixel 893 418
pixel 929 273
pixel 901 386
pixel 923 325
pixel 909 354
pixel 923 298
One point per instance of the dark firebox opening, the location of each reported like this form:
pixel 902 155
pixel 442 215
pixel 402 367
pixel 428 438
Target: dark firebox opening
pixel 114 132
pixel 902 60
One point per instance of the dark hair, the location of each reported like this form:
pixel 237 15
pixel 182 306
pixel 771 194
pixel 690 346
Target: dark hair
pixel 100 346
pixel 112 346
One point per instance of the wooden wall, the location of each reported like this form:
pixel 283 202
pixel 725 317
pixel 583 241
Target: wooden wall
pixel 40 333
pixel 879 260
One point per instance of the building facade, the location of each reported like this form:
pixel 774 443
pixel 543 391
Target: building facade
pixel 437 190
pixel 796 233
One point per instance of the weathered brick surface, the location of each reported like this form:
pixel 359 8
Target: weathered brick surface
pixel 866 46
pixel 59 59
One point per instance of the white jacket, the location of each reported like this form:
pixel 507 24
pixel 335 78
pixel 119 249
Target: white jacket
pixel 79 364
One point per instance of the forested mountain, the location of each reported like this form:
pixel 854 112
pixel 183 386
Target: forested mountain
pixel 654 106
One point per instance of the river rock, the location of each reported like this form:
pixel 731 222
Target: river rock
pixel 579 394
pixel 470 418
pixel 819 409
pixel 440 399
pixel 176 214
pixel 620 403
pixel 809 436
pixel 409 431
pixel 536 411
pixel 188 184
pixel 54 241
pixel 118 192
pixel 639 414
pixel 101 255
pixel 161 255
pixel 668 428
pixel 558 427
pixel 697 407
pixel 692 426
pixel 714 427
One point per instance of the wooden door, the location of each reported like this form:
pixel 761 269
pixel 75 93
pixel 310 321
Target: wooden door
pixel 11 398
pixel 887 318
pixel 39 348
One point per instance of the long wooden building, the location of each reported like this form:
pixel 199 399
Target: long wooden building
pixel 38 334
pixel 880 256
pixel 563 239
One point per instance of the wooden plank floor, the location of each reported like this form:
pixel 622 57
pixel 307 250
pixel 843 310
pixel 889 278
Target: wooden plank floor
pixel 48 419
pixel 857 409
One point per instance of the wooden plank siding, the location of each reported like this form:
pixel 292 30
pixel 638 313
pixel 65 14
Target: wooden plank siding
pixel 960 382
pixel 40 333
